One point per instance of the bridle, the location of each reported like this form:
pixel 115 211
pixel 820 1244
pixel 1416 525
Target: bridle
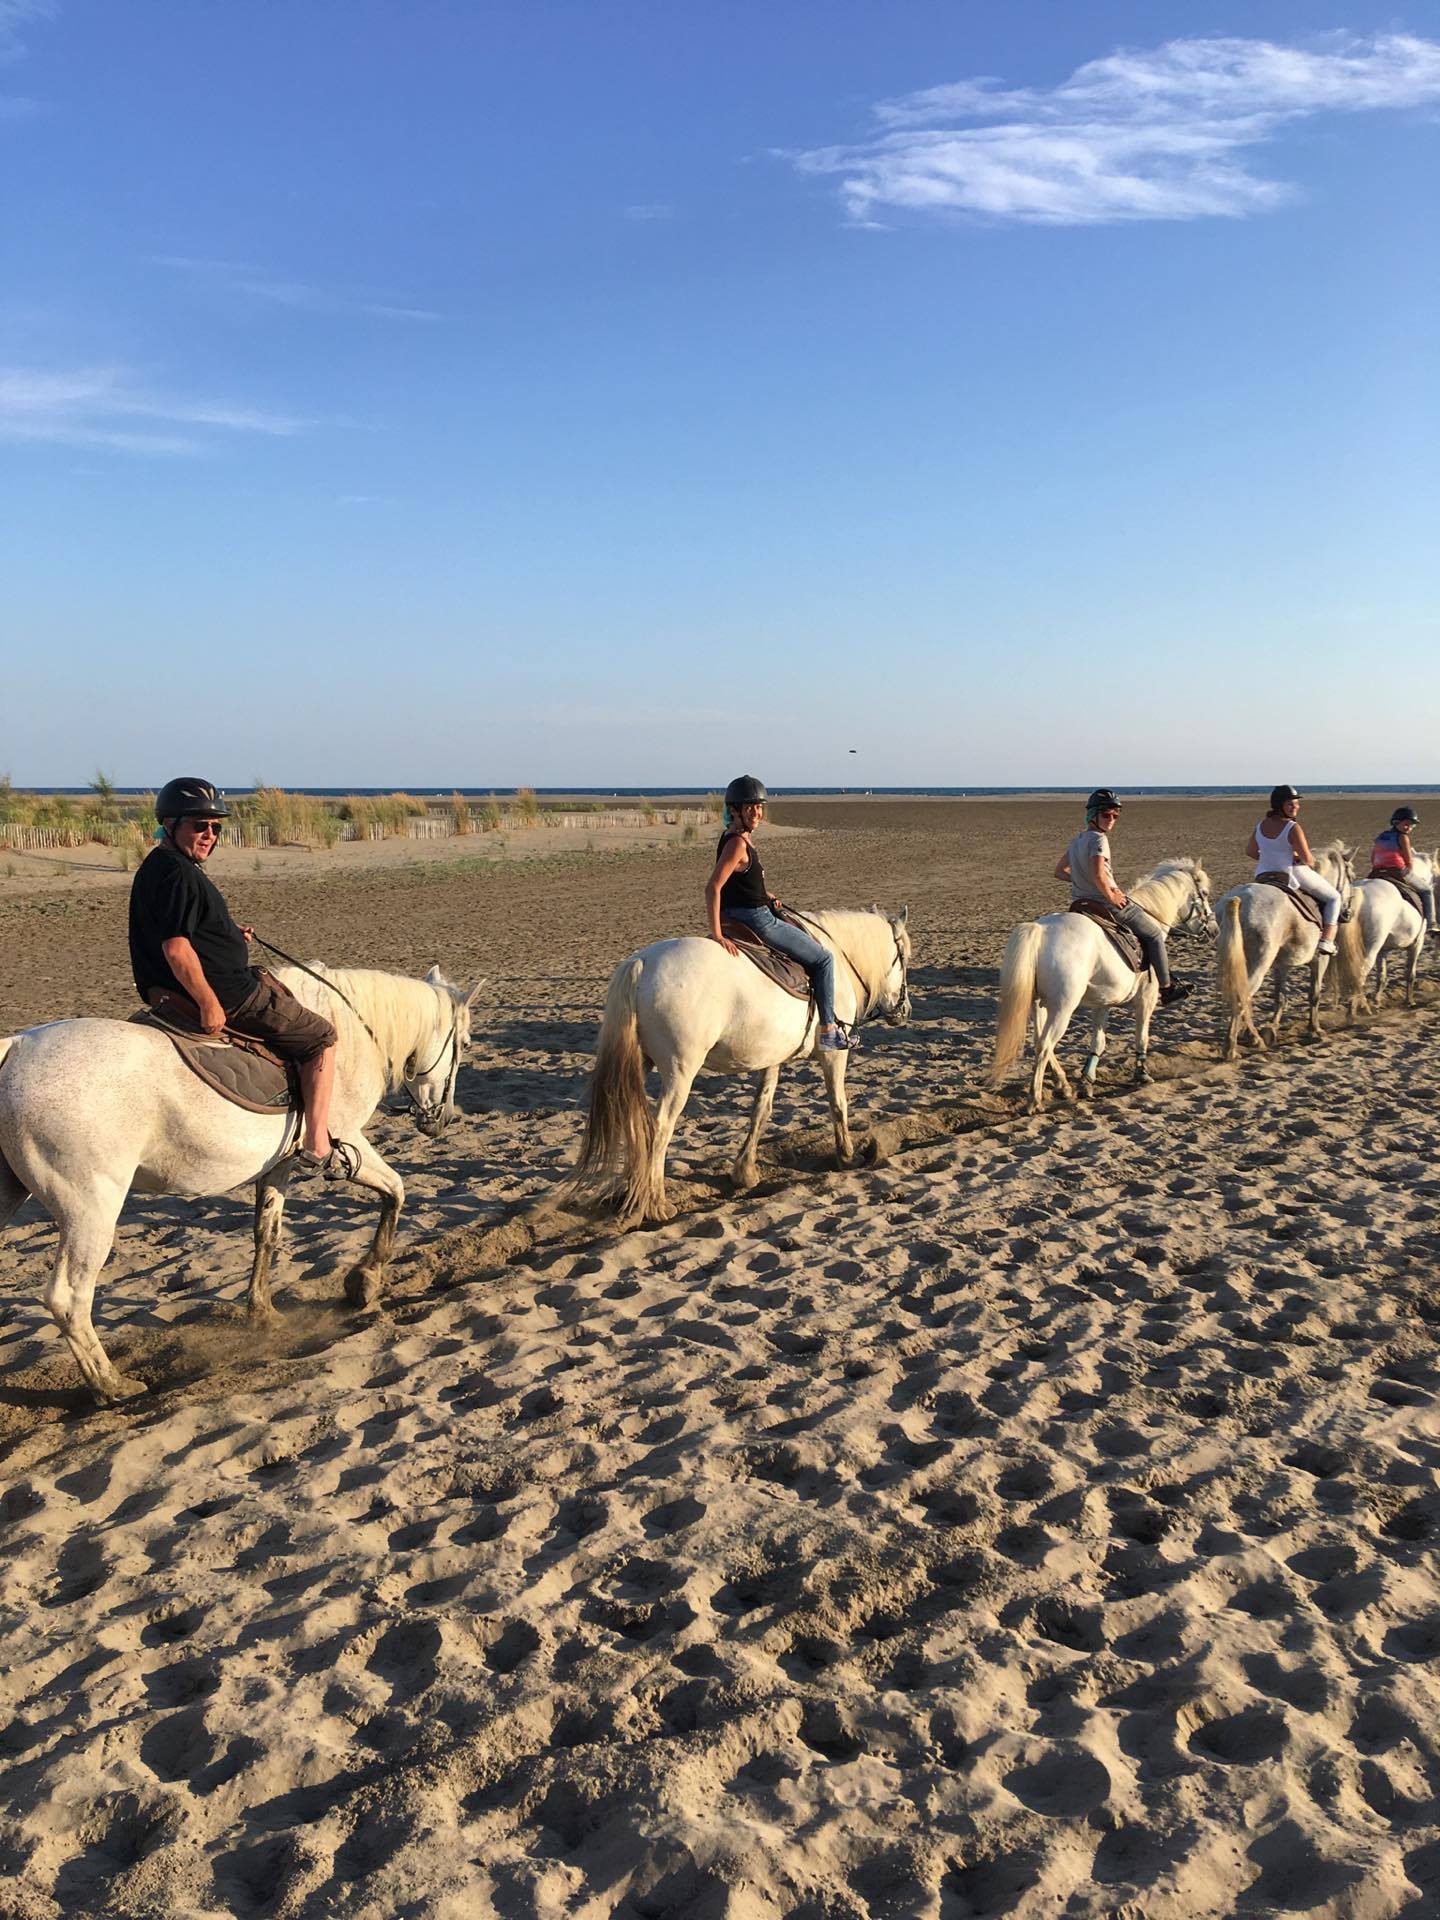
pixel 872 1002
pixel 429 1120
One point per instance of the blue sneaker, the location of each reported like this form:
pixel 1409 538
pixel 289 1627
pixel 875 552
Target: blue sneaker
pixel 835 1039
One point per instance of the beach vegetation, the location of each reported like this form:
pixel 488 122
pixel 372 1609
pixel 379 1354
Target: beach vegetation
pixel 527 806
pixel 460 807
pixel 488 815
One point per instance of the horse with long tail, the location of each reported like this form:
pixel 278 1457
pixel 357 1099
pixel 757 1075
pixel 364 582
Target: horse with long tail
pixel 1263 934
pixel 93 1110
pixel 1064 961
pixel 686 1005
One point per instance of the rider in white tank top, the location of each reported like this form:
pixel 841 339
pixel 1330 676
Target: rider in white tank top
pixel 1277 855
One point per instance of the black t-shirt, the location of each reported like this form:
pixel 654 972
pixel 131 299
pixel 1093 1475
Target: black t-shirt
pixel 173 895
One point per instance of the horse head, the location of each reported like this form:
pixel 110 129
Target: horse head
pixel 429 1082
pixel 892 994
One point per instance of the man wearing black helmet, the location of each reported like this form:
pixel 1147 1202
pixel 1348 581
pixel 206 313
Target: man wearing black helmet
pixel 1394 852
pixel 190 960
pixel 1086 864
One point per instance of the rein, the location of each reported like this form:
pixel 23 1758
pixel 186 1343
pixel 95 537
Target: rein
pixel 829 938
pixel 290 960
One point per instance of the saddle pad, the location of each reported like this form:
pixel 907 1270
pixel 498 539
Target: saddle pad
pixel 1125 943
pixel 776 966
pixel 237 1068
pixel 1402 886
pixel 1307 908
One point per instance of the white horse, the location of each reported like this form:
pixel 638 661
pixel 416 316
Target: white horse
pixel 1262 933
pixel 91 1110
pixel 687 1004
pixel 1386 923
pixel 1064 961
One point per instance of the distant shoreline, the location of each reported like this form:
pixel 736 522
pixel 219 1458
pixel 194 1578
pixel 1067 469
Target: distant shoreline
pixel 672 794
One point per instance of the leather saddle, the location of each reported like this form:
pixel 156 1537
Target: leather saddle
pixel 233 1065
pixel 1125 943
pixel 1307 908
pixel 1401 885
pixel 776 966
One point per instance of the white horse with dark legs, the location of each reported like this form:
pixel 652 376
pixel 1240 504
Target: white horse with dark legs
pixel 1065 961
pixel 1262 934
pixel 1386 923
pixel 93 1110
pixel 687 1005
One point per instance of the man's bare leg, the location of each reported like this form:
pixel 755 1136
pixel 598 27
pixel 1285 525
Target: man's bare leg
pixel 317 1082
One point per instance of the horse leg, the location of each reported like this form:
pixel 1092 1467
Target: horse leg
pixel 1097 1048
pixel 745 1170
pixel 270 1192
pixel 365 1281
pixel 1319 967
pixel 86 1237
pixel 1050 1026
pixel 13 1193
pixel 645 1199
pixel 1281 979
pixel 833 1065
pixel 1146 1002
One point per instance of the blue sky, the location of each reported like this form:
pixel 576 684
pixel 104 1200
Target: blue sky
pixel 425 392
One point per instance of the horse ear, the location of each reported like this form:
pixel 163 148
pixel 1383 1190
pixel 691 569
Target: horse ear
pixel 474 993
pixel 902 919
pixel 435 978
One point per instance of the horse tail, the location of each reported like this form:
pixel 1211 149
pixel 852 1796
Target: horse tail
pixel 1017 993
pixel 1232 976
pixel 1350 958
pixel 620 1126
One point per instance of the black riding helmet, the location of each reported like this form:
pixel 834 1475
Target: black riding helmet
pixel 1404 817
pixel 745 791
pixel 1279 795
pixel 1101 801
pixel 178 799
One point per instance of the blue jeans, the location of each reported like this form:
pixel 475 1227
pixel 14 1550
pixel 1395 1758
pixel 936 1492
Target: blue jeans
pixel 1427 894
pixel 817 961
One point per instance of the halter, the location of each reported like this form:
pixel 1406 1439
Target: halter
pixel 871 1003
pixel 421 1113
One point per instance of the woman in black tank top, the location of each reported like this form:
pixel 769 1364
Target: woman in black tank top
pixel 737 890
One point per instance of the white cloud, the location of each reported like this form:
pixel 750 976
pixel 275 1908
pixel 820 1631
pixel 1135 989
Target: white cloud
pixel 101 406
pixel 15 16
pixel 1157 135
pixel 240 281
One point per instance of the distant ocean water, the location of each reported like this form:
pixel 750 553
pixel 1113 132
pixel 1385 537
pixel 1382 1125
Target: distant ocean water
pixel 819 793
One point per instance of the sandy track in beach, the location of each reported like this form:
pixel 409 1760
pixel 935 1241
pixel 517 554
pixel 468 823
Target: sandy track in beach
pixel 1042 1521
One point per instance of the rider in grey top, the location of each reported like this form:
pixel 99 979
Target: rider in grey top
pixel 1085 863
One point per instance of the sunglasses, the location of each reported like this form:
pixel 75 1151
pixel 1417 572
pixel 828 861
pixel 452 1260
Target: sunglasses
pixel 207 826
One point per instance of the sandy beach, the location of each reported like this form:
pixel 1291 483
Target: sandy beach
pixel 1038 1518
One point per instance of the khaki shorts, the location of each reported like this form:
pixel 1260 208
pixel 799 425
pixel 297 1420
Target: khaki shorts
pixel 273 1015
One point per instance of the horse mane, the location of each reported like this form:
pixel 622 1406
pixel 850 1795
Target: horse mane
pixel 1165 885
pixel 391 1005
pixel 866 936
pixel 1339 853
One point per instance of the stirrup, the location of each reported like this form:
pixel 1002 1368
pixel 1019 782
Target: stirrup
pixel 341 1163
pixel 839 1041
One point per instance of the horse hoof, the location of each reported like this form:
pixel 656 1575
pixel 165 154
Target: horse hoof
pixel 743 1179
pixel 261 1314
pixel 117 1388
pixel 362 1287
